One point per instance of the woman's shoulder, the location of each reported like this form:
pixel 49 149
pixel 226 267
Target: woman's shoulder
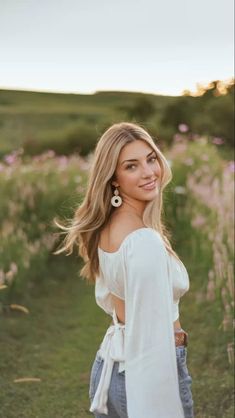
pixel 129 234
pixel 116 232
pixel 144 239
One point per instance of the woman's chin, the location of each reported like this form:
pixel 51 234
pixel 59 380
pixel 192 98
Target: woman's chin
pixel 151 195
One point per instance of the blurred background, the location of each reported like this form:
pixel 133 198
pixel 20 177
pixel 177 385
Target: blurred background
pixel 68 70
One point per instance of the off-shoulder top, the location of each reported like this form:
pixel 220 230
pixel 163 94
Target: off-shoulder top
pixel 151 282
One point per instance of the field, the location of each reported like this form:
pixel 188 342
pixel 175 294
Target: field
pixel 51 326
pixel 70 123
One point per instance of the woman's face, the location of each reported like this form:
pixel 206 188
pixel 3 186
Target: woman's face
pixel 137 165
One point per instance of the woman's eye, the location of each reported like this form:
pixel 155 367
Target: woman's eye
pixel 134 165
pixel 129 166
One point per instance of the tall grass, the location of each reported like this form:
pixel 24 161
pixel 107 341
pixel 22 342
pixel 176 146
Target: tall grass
pixel 208 184
pixel 200 202
pixel 32 191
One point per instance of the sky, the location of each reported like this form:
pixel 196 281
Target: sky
pixel 83 46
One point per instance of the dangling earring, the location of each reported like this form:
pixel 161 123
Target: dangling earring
pixel 116 200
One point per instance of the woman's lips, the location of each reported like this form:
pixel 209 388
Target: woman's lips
pixel 149 186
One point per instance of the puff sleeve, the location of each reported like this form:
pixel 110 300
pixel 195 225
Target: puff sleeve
pixel 152 387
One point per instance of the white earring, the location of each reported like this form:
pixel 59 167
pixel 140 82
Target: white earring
pixel 116 200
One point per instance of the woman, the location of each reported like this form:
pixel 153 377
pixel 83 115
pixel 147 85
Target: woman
pixel 140 368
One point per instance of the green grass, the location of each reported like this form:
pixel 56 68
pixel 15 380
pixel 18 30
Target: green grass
pixel 45 117
pixel 58 340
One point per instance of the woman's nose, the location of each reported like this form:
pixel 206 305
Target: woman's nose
pixel 147 171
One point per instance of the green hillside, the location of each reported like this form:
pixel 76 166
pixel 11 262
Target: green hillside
pixel 70 123
pixel 26 116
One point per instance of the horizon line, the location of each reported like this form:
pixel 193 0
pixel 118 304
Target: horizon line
pixel 84 93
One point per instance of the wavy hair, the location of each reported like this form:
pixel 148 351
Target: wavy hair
pixel 83 230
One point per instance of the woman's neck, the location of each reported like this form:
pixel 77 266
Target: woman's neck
pixel 131 210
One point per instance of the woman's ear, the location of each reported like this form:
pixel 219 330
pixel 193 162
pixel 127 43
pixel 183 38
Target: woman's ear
pixel 114 183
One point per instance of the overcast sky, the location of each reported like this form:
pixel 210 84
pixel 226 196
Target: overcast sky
pixel 83 46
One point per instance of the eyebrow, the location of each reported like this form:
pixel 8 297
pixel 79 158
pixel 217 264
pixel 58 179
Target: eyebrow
pixel 134 159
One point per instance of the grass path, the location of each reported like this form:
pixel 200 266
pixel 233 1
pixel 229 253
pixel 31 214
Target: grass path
pixel 56 343
pixel 58 340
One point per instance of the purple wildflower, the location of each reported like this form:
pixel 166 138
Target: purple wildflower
pixel 183 127
pixel 218 141
pixel 231 166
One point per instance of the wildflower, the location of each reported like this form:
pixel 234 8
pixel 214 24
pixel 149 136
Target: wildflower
pixel 180 190
pixel 189 161
pixel 198 221
pixel 10 158
pixel 50 153
pixel 13 267
pixel 63 162
pixel 218 141
pixel 183 127
pixel 231 166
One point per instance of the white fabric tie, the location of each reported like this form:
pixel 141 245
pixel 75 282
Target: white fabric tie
pixel 111 350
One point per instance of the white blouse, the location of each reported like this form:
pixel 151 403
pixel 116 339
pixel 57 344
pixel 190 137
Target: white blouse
pixel 151 282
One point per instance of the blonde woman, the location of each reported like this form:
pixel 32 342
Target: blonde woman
pixel 140 367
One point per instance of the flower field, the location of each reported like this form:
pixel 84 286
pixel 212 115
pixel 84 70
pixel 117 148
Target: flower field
pixel 199 211
pixel 31 192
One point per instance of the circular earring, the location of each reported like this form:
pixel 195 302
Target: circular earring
pixel 116 200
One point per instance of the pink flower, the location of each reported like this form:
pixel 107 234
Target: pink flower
pixel 14 267
pixel 218 141
pixel 183 127
pixel 189 161
pixel 204 157
pixel 198 221
pixel 63 160
pixel 10 158
pixel 50 153
pixel 231 166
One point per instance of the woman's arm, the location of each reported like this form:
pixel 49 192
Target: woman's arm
pixel 150 357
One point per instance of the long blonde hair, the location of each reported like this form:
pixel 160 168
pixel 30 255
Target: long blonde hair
pixel 83 230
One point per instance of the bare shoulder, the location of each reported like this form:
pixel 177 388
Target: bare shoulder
pixel 113 234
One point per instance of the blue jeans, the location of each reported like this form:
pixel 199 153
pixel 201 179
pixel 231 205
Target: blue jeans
pixel 117 405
